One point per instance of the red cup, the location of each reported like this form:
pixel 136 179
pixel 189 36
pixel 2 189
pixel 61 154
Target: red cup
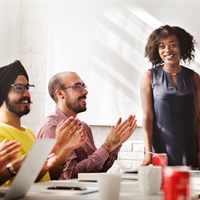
pixel 176 183
pixel 160 159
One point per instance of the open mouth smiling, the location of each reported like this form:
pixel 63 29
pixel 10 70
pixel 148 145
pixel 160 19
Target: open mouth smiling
pixel 169 56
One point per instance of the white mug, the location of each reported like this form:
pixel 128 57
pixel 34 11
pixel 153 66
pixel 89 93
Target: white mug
pixel 149 178
pixel 109 185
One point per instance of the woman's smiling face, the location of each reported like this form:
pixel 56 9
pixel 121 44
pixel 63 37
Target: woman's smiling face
pixel 169 50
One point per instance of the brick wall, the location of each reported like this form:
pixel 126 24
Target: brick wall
pixel 131 153
pixel 33 54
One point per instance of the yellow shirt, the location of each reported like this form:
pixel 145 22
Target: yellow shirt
pixel 26 138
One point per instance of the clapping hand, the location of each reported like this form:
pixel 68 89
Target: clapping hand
pixel 8 152
pixel 120 133
pixel 70 134
pixel 78 138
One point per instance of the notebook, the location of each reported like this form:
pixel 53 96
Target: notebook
pixel 29 170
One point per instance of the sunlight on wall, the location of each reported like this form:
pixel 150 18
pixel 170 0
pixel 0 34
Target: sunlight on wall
pixel 104 43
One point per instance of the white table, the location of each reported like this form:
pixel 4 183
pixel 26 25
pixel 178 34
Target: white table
pixel 129 191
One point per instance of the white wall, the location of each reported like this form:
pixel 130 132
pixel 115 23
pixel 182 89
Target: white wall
pixel 9 31
pixel 104 42
pixel 33 55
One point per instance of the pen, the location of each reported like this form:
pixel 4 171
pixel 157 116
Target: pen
pixel 90 192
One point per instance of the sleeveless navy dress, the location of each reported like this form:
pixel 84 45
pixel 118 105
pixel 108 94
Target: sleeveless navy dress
pixel 174 116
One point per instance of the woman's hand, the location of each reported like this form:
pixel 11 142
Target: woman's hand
pixel 147 159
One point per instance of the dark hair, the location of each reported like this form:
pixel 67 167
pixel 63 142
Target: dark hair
pixel 57 82
pixel 54 84
pixel 186 42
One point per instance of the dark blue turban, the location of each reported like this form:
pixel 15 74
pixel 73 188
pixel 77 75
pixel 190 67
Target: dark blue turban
pixel 8 75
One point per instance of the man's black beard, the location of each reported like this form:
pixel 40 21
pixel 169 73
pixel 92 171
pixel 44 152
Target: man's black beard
pixel 76 109
pixel 13 107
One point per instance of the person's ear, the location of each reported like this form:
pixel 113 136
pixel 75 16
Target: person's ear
pixel 59 94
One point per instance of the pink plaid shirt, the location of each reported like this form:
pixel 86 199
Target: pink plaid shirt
pixel 86 158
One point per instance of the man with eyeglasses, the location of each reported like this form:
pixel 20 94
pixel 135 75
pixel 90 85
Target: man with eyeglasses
pixel 15 100
pixel 69 93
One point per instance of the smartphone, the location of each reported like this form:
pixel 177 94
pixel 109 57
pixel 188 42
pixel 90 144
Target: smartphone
pixel 66 188
pixel 132 172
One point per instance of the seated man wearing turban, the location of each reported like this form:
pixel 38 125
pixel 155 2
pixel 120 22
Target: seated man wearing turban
pixel 15 102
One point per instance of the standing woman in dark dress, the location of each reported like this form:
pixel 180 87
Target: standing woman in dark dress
pixel 170 95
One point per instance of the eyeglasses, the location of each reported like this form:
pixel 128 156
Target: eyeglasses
pixel 20 88
pixel 76 86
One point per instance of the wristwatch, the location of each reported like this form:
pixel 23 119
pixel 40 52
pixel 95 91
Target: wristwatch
pixel 11 169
